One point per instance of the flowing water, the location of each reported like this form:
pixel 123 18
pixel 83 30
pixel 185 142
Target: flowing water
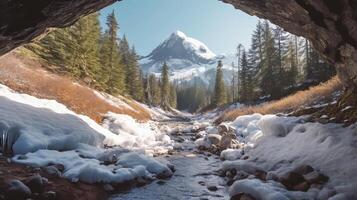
pixel 195 173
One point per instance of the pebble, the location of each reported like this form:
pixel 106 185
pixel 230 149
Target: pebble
pixel 212 188
pixel 50 195
pixel 108 188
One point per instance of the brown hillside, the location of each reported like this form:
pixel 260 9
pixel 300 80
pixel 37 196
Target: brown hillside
pixel 288 104
pixel 28 75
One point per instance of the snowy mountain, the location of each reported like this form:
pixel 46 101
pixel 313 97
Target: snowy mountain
pixel 187 58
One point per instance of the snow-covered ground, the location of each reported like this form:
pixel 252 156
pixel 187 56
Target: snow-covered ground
pixel 42 132
pixel 277 145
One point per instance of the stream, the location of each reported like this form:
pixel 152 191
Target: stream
pixel 195 178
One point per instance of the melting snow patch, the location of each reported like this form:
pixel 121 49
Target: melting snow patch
pixel 276 144
pixel 48 133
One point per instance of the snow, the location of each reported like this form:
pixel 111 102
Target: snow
pixel 231 154
pixel 131 160
pixel 130 165
pixel 269 190
pixel 187 59
pixel 44 132
pixel 280 143
pixel 196 46
pixel 114 101
pixel 133 135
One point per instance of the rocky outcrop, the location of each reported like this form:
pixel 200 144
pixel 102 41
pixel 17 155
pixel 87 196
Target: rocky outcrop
pixel 22 20
pixel 330 25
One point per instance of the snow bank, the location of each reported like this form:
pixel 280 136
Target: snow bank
pixel 279 143
pixel 31 124
pixel 90 170
pixel 47 133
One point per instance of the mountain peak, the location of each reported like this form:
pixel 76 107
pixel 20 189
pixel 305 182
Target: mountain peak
pixel 179 34
pixel 181 46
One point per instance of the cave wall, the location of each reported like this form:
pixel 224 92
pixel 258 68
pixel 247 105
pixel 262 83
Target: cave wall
pixel 23 20
pixel 331 25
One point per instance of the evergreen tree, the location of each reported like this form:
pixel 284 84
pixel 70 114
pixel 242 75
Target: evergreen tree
pixel 134 85
pixel 154 90
pixel 290 79
pixel 280 38
pixel 244 73
pixel 220 89
pixel 268 66
pixel 173 96
pixel 112 70
pixel 73 49
pixel 165 87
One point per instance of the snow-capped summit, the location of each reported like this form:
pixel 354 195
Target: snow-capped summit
pixel 187 58
pixel 180 46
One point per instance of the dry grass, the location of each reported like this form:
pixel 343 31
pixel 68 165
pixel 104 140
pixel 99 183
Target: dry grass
pixel 28 76
pixel 287 104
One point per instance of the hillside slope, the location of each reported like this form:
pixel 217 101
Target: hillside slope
pixel 28 75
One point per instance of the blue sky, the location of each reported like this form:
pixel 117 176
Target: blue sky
pixel 147 23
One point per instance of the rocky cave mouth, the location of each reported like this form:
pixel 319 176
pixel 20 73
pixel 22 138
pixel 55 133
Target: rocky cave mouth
pixel 329 25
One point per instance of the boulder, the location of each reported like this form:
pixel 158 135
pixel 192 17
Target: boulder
pixel 242 197
pixel 36 184
pixel 303 169
pixel 227 141
pixel 260 174
pixel 222 129
pixel 291 179
pixel 315 177
pixel 304 186
pixel 214 139
pixel 16 190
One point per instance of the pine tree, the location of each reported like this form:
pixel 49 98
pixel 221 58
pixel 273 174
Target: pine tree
pixel 74 49
pixel 165 87
pixel 112 70
pixel 290 79
pixel 134 85
pixel 220 89
pixel 280 37
pixel 244 73
pixel 268 66
pixel 154 90
pixel 173 96
pixel 239 54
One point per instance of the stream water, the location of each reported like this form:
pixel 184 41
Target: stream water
pixel 195 177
